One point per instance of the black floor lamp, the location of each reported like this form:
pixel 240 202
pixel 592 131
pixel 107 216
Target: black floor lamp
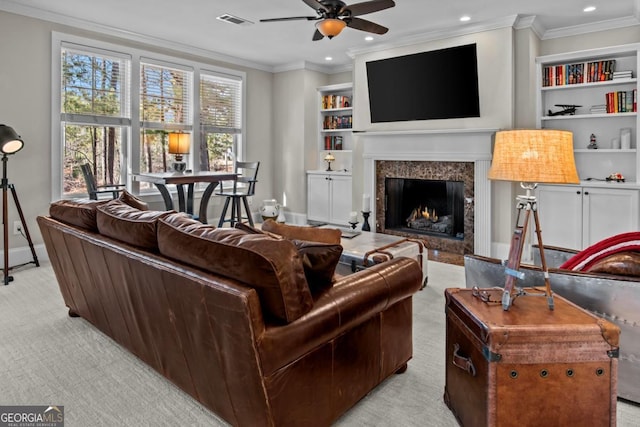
pixel 10 143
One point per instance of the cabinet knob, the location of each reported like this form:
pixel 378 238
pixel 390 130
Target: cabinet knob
pixel 586 193
pixel 577 192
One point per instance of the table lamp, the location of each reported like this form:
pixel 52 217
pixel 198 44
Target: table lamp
pixel 531 157
pixel 329 158
pixel 179 144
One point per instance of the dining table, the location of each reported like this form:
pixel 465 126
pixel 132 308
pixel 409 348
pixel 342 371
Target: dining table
pixel 186 179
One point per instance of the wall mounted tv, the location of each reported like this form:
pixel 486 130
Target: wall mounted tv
pixel 439 84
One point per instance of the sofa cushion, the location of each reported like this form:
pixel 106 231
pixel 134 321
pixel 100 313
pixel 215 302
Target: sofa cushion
pixel 133 201
pixel 271 266
pixel 128 224
pixel 318 259
pixel 81 213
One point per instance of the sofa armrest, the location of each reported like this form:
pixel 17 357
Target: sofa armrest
pixel 351 301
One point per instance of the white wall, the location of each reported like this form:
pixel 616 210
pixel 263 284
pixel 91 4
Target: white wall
pixel 295 106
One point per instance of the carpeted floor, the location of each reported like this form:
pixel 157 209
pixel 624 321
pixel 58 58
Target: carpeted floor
pixel 47 358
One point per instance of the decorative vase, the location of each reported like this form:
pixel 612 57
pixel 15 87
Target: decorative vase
pixel 281 218
pixel 269 209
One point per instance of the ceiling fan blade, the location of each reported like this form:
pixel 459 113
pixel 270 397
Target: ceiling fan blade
pixel 364 25
pixel 367 7
pixel 316 5
pixel 291 18
pixel 317 36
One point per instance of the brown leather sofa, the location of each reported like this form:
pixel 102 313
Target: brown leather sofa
pixel 244 322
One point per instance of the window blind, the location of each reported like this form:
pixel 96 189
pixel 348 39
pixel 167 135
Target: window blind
pixel 165 97
pixel 220 103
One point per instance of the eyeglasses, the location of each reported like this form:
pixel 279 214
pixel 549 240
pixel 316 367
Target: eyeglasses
pixel 484 296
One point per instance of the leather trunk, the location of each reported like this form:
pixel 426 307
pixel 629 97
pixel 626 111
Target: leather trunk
pixel 528 365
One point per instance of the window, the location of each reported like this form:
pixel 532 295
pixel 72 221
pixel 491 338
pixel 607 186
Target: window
pixel 94 116
pixel 220 121
pixel 165 106
pixel 117 106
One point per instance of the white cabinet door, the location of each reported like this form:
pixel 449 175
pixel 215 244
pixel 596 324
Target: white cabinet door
pixel 578 217
pixel 318 197
pixel 340 200
pixel 607 212
pixel 560 213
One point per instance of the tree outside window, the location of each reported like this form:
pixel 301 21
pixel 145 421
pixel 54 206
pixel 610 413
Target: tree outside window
pixel 92 109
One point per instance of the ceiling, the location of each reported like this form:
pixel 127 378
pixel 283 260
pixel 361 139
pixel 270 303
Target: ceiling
pixel 192 24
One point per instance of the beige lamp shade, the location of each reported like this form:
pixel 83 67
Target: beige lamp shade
pixel 179 143
pixel 534 156
pixel 330 27
pixel 329 158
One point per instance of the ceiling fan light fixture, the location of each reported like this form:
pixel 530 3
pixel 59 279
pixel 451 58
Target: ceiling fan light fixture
pixel 330 27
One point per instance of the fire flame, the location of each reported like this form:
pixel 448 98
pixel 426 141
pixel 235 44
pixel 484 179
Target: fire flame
pixel 424 213
pixel 429 215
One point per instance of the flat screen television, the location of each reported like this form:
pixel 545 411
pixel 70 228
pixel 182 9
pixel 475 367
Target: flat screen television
pixel 439 84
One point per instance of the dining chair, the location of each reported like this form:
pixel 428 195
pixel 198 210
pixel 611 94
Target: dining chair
pixel 236 194
pixel 94 189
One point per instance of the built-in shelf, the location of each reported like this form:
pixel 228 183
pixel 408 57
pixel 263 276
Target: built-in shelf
pixel 605 151
pixel 614 82
pixel 589 116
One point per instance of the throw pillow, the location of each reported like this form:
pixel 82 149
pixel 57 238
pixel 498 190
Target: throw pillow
pixel 133 201
pixel 271 266
pixel 621 264
pixel 313 234
pixel 584 259
pixel 318 259
pixel 128 224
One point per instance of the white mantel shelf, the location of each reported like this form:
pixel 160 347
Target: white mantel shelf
pixel 423 131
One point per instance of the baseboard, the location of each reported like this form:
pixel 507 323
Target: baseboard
pixel 22 255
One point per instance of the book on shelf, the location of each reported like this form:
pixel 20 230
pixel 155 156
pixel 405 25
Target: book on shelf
pixel 337 122
pixel 577 73
pixel 621 101
pixel 333 143
pixel 335 101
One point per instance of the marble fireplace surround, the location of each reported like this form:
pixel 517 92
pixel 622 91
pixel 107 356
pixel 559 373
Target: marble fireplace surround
pixel 445 151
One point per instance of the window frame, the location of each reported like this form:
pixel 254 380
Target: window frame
pixel 130 148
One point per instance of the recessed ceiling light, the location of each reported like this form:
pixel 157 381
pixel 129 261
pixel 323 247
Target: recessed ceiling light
pixel 328 58
pixel 465 18
pixel 368 38
pixel 589 9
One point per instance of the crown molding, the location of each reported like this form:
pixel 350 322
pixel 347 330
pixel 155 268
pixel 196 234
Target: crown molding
pixel 594 27
pixel 19 9
pixel 438 35
pixel 531 22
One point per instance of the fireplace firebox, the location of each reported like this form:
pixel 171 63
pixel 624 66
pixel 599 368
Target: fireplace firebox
pixel 456 238
pixel 425 206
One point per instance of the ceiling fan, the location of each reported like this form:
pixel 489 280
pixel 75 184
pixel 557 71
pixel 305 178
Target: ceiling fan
pixel 334 15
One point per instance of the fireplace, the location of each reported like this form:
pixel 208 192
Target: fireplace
pixel 425 206
pixel 432 201
pixel 461 155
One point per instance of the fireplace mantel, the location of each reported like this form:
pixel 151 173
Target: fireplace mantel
pixel 451 145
